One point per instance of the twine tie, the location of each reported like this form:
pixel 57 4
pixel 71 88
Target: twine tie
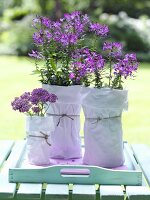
pixel 44 136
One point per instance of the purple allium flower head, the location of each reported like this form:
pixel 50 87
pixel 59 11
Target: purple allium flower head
pixel 33 103
pixel 52 98
pixel 35 54
pixel 39 95
pixel 26 95
pixel 99 29
pixel 21 104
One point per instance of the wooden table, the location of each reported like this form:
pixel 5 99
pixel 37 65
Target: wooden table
pixel 137 157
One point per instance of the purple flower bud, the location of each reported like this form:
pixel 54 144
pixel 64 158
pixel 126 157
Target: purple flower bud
pixel 36 109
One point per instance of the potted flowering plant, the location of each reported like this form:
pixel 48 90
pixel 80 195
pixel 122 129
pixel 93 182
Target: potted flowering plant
pixel 105 101
pixel 57 41
pixel 70 64
pixel 38 125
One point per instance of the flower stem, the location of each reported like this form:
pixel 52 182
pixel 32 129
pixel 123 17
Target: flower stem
pixel 110 72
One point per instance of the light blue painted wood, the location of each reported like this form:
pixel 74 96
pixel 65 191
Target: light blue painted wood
pixel 142 154
pixel 84 192
pixel 111 192
pixel 5 148
pixel 138 193
pixel 7 190
pixel 132 160
pixel 57 192
pixel 29 191
pixel 97 175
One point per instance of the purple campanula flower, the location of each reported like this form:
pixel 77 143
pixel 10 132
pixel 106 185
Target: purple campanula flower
pixel 46 22
pixel 48 35
pixel 86 19
pixel 71 75
pixel 38 38
pixel 60 40
pixel 57 26
pixel 112 46
pixel 131 57
pixel 36 21
pixel 52 98
pixel 71 16
pixel 92 60
pixel 72 39
pixel 99 29
pixel 35 54
pixel 78 72
pixel 66 39
pixel 114 49
pixel 127 66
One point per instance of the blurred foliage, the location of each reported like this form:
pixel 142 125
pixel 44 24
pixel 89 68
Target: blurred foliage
pixel 133 33
pixel 16 18
pixel 134 8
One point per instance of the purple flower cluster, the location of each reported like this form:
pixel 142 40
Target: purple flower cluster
pixel 99 29
pixel 126 66
pixel 91 59
pixel 87 62
pixel 21 104
pixel 33 102
pixel 38 37
pixel 66 31
pixel 62 46
pixel 114 49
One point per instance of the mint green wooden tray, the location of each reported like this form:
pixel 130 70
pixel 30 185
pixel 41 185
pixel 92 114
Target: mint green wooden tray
pixel 97 175
pixel 77 174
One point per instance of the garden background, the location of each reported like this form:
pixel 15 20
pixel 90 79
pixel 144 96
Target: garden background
pixel 129 22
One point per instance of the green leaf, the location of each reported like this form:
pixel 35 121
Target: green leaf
pixel 52 62
pixel 36 71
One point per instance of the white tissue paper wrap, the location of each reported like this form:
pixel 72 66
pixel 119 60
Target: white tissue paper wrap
pixel 38 147
pixel 103 128
pixel 66 143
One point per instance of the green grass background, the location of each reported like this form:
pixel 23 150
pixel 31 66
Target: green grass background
pixel 16 78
